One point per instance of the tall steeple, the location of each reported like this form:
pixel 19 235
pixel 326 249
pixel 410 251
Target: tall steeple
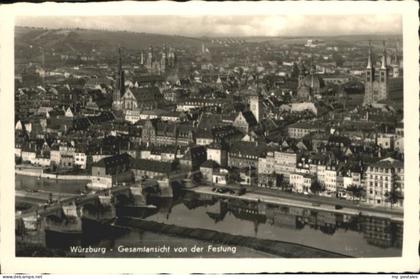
pixel 376 87
pixel 119 85
pixel 141 58
pixel 383 62
pixel 369 64
pixel 369 79
pixel 121 74
pixel 313 68
pixel 149 60
pixel 396 60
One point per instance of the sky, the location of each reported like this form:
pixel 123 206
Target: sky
pixel 213 26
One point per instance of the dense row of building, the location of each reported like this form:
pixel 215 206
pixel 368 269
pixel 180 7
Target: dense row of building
pixel 243 124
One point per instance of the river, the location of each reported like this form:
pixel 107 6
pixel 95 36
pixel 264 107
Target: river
pixel 356 236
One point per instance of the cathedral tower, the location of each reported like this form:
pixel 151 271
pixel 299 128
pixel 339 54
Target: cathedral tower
pixel 383 76
pixel 142 58
pixel 376 86
pixel 396 63
pixel 119 84
pixel 149 58
pixel 256 107
pixel 163 60
pixel 369 78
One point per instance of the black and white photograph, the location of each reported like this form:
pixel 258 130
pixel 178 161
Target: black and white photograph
pixel 209 136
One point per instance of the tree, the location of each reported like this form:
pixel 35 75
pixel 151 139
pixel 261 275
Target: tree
pixel 356 191
pixel 394 196
pixel 339 60
pixel 197 177
pixel 316 187
pixel 234 176
pixel 280 181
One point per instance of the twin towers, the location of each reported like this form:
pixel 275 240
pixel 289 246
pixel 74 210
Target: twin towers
pixel 377 80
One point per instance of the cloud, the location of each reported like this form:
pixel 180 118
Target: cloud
pixel 257 25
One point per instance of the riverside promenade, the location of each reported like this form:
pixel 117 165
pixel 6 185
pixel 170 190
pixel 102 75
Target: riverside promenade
pixel 313 202
pixel 28 170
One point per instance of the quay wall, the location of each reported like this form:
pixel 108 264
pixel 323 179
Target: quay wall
pixel 27 172
pixel 314 204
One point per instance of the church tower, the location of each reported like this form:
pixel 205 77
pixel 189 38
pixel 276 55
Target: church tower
pixel 119 85
pixel 369 78
pixel 171 58
pixel 256 107
pixel 312 72
pixel 302 74
pixel 383 76
pixel 376 86
pixel 396 64
pixel 163 60
pixel 142 58
pixel 149 58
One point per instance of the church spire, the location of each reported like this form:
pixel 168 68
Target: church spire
pixel 396 60
pixel 383 64
pixel 369 65
pixel 119 89
pixel 121 80
pixel 313 68
pixel 119 59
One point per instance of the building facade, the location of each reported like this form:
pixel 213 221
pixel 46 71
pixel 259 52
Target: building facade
pixel 381 179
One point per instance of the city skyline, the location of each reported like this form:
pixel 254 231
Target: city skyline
pixel 231 26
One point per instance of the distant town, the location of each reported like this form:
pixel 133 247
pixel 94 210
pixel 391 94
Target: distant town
pixel 316 122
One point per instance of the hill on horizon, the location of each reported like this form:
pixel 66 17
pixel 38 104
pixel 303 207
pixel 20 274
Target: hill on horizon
pixel 105 40
pixel 57 38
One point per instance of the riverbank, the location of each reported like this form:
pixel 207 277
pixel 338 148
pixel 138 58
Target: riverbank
pixel 312 203
pixel 39 172
pixel 278 248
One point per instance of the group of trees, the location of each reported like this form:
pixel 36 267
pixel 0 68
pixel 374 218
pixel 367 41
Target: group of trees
pixel 357 191
pixel 394 195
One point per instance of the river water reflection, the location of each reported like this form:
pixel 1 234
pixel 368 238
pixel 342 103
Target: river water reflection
pixel 357 236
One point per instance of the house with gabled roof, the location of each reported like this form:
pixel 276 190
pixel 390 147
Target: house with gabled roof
pixel 245 121
pixel 142 98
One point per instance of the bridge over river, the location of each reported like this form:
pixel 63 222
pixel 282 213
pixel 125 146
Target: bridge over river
pixel 61 199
